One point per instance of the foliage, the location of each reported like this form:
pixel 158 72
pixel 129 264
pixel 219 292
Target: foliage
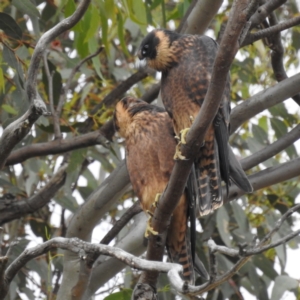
pixel 119 26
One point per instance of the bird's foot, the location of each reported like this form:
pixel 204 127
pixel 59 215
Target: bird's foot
pixel 157 197
pixel 149 228
pixel 178 154
pixel 183 134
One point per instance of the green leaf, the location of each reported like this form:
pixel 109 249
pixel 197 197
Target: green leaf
pixel 283 283
pixel 240 216
pixel 67 202
pixel 265 265
pixel 260 134
pixel 9 109
pixel 223 225
pixel 11 59
pixel 27 7
pixel 93 46
pixel 125 294
pixel 263 123
pixel 279 127
pixel 69 10
pixel 9 26
pixel 121 34
pixel 93 25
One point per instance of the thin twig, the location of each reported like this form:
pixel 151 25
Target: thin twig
pixel 63 96
pixel 57 132
pixel 45 39
pixel 267 32
pixel 118 226
pixel 278 224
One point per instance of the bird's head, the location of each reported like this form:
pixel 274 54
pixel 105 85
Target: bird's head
pixel 123 113
pixel 156 48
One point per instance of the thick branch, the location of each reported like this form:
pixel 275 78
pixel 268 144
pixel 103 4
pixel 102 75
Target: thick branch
pixel 18 129
pixel 264 100
pixel 271 150
pixel 14 209
pixel 83 249
pixel 56 147
pixel 203 10
pixel 118 226
pixel 267 177
pixel 263 11
pixel 251 38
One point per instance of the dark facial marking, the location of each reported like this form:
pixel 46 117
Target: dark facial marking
pixel 148 46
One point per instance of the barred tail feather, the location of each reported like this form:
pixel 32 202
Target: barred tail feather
pixel 184 258
pixel 209 178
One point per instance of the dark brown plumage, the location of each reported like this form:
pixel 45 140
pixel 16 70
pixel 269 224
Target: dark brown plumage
pixel 186 63
pixel 150 146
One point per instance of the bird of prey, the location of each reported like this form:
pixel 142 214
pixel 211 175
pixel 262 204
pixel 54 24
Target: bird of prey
pixel 150 145
pixel 186 63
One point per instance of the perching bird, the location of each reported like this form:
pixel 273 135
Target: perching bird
pixel 150 146
pixel 186 63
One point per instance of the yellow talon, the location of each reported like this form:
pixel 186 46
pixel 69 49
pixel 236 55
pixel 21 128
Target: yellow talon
pixel 158 195
pixel 183 134
pixel 149 228
pixel 178 154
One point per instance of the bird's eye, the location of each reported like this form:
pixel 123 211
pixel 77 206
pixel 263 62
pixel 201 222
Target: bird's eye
pixel 145 49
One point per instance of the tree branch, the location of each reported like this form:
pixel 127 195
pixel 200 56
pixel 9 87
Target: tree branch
pixel 268 177
pixel 18 129
pixel 14 209
pixel 264 10
pixel 55 116
pixel 82 249
pixel 253 37
pixel 271 150
pixel 62 98
pixel 264 100
pixel 56 147
pixel 45 39
pixel 119 225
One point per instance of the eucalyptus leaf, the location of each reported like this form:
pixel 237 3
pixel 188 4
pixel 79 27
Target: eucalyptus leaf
pixel 282 284
pixel 10 26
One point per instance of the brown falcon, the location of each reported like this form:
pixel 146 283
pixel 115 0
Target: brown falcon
pixel 186 63
pixel 150 146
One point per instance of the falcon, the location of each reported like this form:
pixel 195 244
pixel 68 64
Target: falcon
pixel 149 148
pixel 186 63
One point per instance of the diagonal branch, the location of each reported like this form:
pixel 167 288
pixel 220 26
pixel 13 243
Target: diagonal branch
pixel 83 249
pixel 271 150
pixel 62 98
pixel 14 209
pixel 18 129
pixel 45 39
pixel 267 32
pixel 56 147
pixel 264 10
pixel 264 100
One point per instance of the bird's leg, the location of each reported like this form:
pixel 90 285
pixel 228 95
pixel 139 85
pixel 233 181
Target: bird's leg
pixel 149 228
pixel 184 131
pixel 157 197
pixel 178 154
pixel 182 140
